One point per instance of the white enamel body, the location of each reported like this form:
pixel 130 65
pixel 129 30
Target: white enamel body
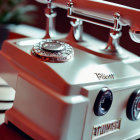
pixel 55 101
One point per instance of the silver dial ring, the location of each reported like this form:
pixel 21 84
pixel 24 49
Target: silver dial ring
pixel 53 51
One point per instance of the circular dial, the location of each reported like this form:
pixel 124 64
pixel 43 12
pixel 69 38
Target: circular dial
pixel 53 51
pixel 133 106
pixel 103 102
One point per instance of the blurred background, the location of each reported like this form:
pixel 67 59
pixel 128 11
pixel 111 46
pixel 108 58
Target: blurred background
pixel 31 13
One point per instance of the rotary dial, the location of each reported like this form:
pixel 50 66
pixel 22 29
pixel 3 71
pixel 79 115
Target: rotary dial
pixel 53 51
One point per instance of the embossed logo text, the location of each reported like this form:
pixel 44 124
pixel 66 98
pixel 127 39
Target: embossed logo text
pixel 102 76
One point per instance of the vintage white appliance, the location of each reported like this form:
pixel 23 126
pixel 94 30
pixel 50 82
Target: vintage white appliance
pixel 76 87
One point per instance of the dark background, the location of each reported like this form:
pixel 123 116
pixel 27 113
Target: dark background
pixel 62 24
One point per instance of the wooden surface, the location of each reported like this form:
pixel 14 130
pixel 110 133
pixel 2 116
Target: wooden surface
pixel 10 132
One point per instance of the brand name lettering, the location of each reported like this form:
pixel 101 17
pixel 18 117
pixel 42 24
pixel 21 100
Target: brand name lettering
pixel 102 76
pixel 100 130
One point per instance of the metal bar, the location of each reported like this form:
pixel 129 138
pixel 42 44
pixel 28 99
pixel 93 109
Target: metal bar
pixel 87 19
pixel 105 10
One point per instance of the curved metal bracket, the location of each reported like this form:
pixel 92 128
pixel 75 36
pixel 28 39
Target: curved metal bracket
pixel 76 15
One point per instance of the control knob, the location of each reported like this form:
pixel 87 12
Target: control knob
pixel 133 106
pixel 103 102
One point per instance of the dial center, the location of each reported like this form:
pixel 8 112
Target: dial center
pixel 52 46
pixel 138 106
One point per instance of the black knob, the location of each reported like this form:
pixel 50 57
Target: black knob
pixel 133 106
pixel 103 102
